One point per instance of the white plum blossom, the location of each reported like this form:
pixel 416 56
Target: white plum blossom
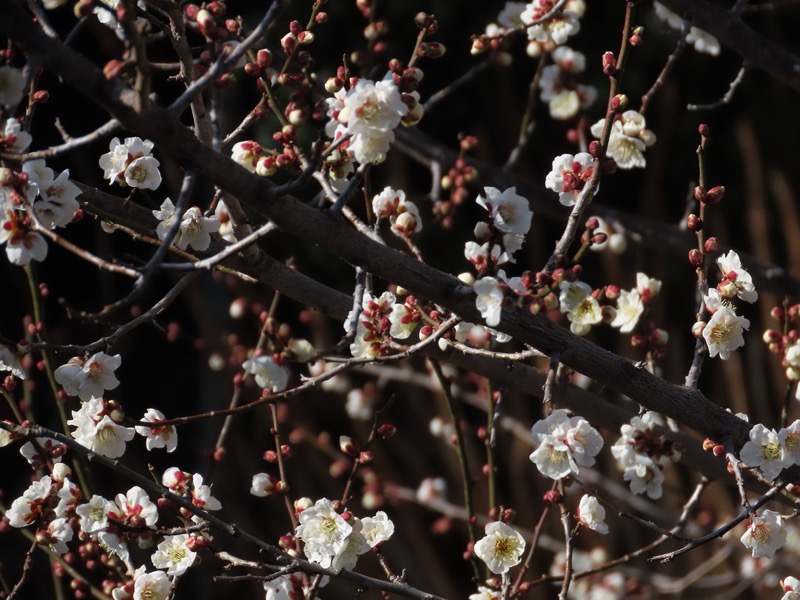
pixel 559 89
pixel 568 176
pixel 12 86
pixel 57 534
pixel 403 215
pixel 131 163
pixel 591 514
pixel 790 585
pixel 629 308
pixel 765 535
pixel 554 30
pixel 586 312
pixel 431 488
pixel 94 514
pixel 564 444
pixel 247 154
pixel 485 593
pixel 501 548
pixel 480 255
pixel 724 332
pixel 369 112
pixel 269 374
pixel 324 533
pixel 703 42
pixel 285 587
pixel 648 288
pixel 174 555
pixel 642 453
pixel 355 545
pixel 489 299
pixel 201 494
pixel 765 451
pixel 151 586
pixel 263 485
pixel 91 377
pixel 95 429
pixel 628 141
pixel 14 138
pixel 28 508
pixel 22 244
pixel 789 438
pixel 9 361
pixel 510 214
pixel 377 529
pixel 58 200
pixel 644 476
pixel 196 230
pixel 736 280
pixel 158 437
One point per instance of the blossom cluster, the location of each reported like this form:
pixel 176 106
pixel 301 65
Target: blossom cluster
pixel 642 453
pixel 380 320
pixel 558 87
pixel 628 140
pixel 564 444
pixel 334 539
pixel 131 163
pixel 772 451
pixel 402 214
pixel 724 331
pixel 194 230
pixel 365 116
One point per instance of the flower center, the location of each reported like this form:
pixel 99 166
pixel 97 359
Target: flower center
pixel 771 451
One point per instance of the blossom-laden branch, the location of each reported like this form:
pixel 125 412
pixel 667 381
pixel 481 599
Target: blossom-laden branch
pixel 276 554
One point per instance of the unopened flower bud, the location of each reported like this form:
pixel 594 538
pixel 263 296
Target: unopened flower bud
pixel 697 329
pixel 431 50
pixel 704 130
pixel 695 257
pixel 551 497
pixel 700 193
pixel 619 102
pixel 694 223
pixel 715 194
pixel 595 148
pixel 387 430
pixel 636 36
pixel 711 245
pixel 41 96
pixel 349 446
pixel 609 64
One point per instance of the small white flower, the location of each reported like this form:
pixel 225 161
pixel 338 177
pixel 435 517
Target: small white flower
pixel 173 555
pixel 12 86
pixel 585 314
pixel 644 476
pixel 58 202
pixel 323 531
pixel 628 141
pixel 501 549
pixel 571 294
pixel 789 437
pixel 568 175
pixel 740 280
pixel 509 211
pixel 247 154
pixel 564 444
pixel 377 529
pixel 196 230
pixel 285 587
pixel 263 485
pixel 592 515
pixel 790 585
pixel 555 30
pixel 724 332
pixel 14 138
pixel 431 488
pixel 151 586
pixel 90 378
pixel 58 534
pixel 269 375
pixel 765 534
pixel 97 431
pixel 94 514
pixel 28 508
pixel 158 437
pixel 765 451
pixel 648 288
pixel 22 244
pixel 143 173
pixel 489 300
pixel 370 108
pixel 9 361
pixel 629 309
pixel 201 494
